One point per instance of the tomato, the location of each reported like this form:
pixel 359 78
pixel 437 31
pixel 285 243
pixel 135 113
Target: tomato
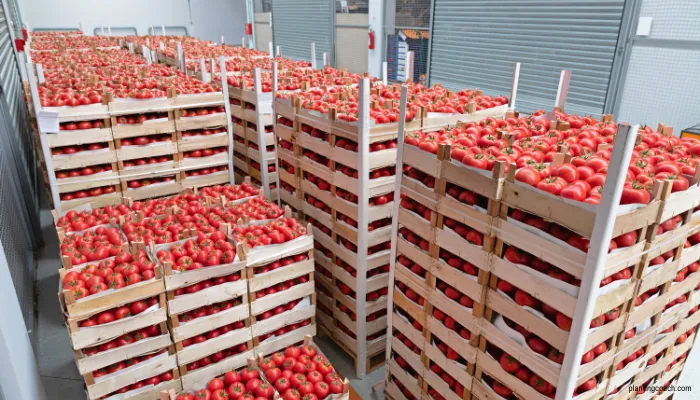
pixel 528 175
pixel 501 390
pixel 538 345
pixel 634 193
pixel 568 172
pixel 219 394
pixel 552 185
pixel 573 192
pixel 554 355
pixel 541 385
pixel 335 386
pixel 509 364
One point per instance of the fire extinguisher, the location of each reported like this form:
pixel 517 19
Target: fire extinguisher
pixel 371 39
pixel 249 29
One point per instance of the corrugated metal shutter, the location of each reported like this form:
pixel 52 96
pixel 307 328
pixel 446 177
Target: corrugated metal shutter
pixel 298 23
pixel 475 44
pixel 351 41
pixel 19 207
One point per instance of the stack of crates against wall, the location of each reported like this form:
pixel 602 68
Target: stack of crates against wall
pixel 281 292
pixel 203 144
pixel 661 326
pixel 444 243
pixel 84 161
pixel 318 159
pixel 208 315
pixel 120 339
pixel 244 112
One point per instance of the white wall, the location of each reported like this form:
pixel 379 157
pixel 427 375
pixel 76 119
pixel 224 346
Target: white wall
pixel 96 13
pixel 213 18
pixel 375 57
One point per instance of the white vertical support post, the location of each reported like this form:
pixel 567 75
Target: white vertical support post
pixel 154 56
pixel 153 30
pixel 563 89
pixel 227 108
pixel 410 58
pixel 362 222
pixel 325 60
pixel 146 54
pixel 275 67
pixel 161 45
pixel 109 30
pixel 243 42
pixel 395 219
pixel 203 71
pixel 262 147
pixel 514 86
pixel 596 257
pixel 40 74
pixel 44 143
pixel 163 28
pixel 385 72
pixel 180 57
pixel 223 40
pixel 271 50
pixel 278 51
pixel 313 55
pixel 80 24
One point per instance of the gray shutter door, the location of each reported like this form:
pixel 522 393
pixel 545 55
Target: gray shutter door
pixel 19 208
pixel 475 44
pixel 298 23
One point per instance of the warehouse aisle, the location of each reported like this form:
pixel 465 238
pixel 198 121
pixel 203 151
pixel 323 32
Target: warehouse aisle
pixel 56 366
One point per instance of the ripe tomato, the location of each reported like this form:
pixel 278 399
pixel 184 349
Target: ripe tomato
pixel 509 364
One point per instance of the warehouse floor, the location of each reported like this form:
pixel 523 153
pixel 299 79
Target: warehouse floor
pixel 63 382
pixel 56 366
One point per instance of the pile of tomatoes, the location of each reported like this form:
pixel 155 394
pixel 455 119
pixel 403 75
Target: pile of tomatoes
pixel 195 254
pixel 154 380
pixel 72 126
pixel 123 270
pixel 279 231
pixel 206 284
pixel 146 140
pixel 244 384
pixel 85 171
pixel 67 150
pixel 203 132
pixel 205 152
pixel 139 162
pixel 282 262
pixel 231 192
pixel 92 246
pixel 206 171
pixel 140 118
pixel 301 373
pixel 211 309
pixel 75 221
pixel 285 329
pixel 82 194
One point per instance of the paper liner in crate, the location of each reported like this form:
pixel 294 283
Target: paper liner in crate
pixel 261 255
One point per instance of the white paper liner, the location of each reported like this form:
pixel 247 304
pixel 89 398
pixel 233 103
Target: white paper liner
pixel 132 367
pixel 501 325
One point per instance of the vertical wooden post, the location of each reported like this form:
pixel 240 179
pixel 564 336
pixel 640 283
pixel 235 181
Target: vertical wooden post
pixel 362 222
pixel 262 147
pixel 563 89
pixel 395 222
pixel 514 86
pixel 313 55
pixel 227 107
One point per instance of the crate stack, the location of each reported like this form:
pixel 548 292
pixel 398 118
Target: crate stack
pixel 281 293
pixel 209 316
pixel 473 318
pixel 251 110
pixel 131 354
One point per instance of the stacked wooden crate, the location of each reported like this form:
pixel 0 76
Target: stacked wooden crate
pixel 496 326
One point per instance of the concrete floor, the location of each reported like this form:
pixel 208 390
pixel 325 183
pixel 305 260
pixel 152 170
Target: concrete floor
pixel 63 382
pixel 56 366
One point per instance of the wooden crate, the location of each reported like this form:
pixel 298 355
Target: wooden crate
pixel 199 378
pixel 199 121
pixel 154 190
pixel 150 150
pixel 85 158
pixel 82 337
pixel 147 128
pixel 189 143
pixel 143 370
pixel 93 201
pixel 80 137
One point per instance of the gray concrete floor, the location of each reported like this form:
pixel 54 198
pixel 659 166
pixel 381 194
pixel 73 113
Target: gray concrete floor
pixel 56 366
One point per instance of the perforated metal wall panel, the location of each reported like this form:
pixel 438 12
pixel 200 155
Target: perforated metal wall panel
pixel 19 207
pixel 475 44
pixel 298 23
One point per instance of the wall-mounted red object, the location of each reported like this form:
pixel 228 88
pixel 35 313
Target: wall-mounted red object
pixel 371 40
pixel 249 29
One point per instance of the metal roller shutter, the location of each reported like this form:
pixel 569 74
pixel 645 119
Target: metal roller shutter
pixel 298 23
pixel 19 207
pixel 475 44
